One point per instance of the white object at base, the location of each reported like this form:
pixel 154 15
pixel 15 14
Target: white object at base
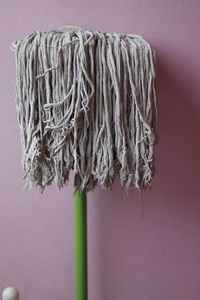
pixel 10 293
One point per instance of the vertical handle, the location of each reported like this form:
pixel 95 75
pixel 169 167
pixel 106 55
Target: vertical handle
pixel 81 245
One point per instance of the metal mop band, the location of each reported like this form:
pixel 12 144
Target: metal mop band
pixel 86 102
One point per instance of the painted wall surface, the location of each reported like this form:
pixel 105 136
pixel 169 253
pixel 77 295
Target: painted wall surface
pixel 141 247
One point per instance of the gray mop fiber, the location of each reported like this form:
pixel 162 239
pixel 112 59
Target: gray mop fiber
pixel 86 102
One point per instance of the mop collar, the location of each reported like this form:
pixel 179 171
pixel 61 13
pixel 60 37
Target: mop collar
pixel 86 102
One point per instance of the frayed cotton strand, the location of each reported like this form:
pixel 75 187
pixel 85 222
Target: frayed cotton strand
pixel 86 102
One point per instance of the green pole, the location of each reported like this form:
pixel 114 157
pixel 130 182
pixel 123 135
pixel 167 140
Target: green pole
pixel 81 245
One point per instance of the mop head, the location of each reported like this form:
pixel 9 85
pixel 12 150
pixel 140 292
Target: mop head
pixel 86 102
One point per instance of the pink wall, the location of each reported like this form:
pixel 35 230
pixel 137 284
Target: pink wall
pixel 141 247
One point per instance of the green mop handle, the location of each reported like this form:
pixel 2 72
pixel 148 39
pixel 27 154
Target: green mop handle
pixel 81 245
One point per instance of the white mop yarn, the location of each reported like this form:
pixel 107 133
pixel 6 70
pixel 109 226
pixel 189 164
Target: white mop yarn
pixel 86 102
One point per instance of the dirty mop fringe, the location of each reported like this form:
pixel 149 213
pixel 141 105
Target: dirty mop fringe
pixel 86 102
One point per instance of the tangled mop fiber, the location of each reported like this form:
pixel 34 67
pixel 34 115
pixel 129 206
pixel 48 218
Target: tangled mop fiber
pixel 86 101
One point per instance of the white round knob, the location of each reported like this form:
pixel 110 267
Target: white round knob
pixel 10 293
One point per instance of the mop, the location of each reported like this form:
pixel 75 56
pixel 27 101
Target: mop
pixel 86 102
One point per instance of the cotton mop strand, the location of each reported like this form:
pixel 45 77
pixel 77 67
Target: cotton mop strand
pixel 86 102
